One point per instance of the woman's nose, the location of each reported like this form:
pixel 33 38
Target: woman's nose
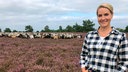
pixel 103 17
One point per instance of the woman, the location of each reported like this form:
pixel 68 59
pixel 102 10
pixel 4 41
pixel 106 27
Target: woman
pixel 104 50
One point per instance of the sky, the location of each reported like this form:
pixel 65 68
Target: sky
pixel 16 14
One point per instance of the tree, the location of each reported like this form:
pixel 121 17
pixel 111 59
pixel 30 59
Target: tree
pixel 60 29
pixel 38 31
pixel 0 30
pixel 14 30
pixel 121 30
pixel 69 29
pixel 77 28
pixel 88 25
pixel 42 31
pixel 7 30
pixel 126 29
pixel 46 28
pixel 29 28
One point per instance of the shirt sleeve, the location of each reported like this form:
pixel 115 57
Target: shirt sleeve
pixel 84 54
pixel 123 54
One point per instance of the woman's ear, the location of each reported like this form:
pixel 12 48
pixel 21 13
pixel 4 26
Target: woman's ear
pixel 111 16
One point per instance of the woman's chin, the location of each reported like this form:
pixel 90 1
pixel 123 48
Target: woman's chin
pixel 103 26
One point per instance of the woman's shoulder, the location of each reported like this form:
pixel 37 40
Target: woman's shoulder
pixel 91 33
pixel 119 33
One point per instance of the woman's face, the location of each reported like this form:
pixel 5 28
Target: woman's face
pixel 104 17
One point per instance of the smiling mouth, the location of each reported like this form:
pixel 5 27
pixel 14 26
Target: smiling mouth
pixel 104 21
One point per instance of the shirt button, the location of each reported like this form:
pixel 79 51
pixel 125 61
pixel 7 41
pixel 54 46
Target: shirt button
pixel 94 69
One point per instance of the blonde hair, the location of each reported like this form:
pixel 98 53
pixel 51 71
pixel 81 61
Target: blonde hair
pixel 106 5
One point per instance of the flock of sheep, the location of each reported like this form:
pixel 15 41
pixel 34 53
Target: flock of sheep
pixel 32 35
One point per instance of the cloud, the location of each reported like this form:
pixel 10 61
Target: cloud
pixel 121 17
pixel 18 13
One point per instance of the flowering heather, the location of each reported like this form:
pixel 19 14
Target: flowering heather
pixel 39 55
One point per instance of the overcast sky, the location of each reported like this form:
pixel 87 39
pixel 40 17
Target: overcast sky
pixel 16 14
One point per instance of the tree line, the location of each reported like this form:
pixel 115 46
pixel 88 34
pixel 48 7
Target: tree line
pixel 86 26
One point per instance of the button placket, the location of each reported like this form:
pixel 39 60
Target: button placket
pixel 99 47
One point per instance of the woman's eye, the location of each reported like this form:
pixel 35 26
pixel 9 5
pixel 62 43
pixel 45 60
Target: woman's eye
pixel 99 15
pixel 106 14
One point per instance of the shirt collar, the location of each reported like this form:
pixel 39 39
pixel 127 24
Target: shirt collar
pixel 114 31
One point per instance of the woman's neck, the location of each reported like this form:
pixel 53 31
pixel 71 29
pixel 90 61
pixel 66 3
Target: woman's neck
pixel 104 31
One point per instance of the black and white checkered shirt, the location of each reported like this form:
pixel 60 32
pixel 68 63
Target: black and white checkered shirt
pixel 107 55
